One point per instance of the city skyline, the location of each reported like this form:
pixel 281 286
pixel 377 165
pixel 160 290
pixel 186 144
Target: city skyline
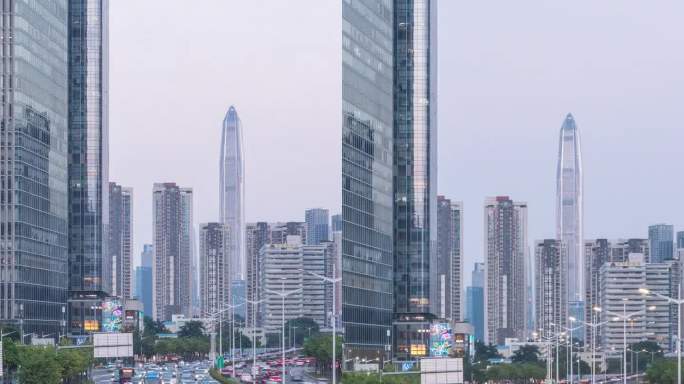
pixel 612 124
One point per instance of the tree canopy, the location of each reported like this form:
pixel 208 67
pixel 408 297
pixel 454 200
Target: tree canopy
pixel 526 354
pixel 192 329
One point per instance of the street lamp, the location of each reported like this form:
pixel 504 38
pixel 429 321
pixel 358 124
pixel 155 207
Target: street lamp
pixel 593 325
pixel 283 294
pixel 624 317
pixel 569 346
pixel 678 302
pixel 254 305
pixel 334 282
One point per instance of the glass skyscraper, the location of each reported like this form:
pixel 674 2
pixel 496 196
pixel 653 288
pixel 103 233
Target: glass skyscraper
pixel 680 240
pixel 317 225
pixel 389 174
pixel 232 190
pixel 570 209
pixel 367 158
pixel 661 241
pixel 33 141
pixel 415 174
pixel 90 271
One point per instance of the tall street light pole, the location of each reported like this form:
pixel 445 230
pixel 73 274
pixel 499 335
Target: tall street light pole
pixel 254 304
pixel 334 282
pixel 679 303
pixel 283 294
pixel 570 348
pixel 593 325
pixel 624 317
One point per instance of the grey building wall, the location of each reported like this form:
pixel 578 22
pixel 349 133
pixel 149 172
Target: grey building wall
pixel 551 304
pixel 450 259
pixel 505 253
pixel 120 239
pixel 214 267
pixel 172 230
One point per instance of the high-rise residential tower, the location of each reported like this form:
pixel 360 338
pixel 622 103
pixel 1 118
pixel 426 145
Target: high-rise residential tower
pixel 121 239
pixel 597 253
pixel 317 225
pixel 551 304
pixel 505 253
pixel 257 235
pixel 416 284
pixel 214 266
pixel 661 241
pixel 90 267
pixel 33 142
pixel 172 231
pixel 570 208
pixel 367 171
pixel 232 190
pixel 450 259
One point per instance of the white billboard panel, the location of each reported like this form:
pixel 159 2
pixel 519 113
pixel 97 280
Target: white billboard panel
pixel 441 371
pixel 113 345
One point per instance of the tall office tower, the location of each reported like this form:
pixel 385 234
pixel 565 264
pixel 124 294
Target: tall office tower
pixel 33 142
pixel 505 253
pixel 663 278
pixel 661 241
pixel 90 268
pixel 285 269
pixel 597 253
pixel 367 173
pixel 172 229
pixel 475 313
pixel 147 256
pixel 337 223
pixel 257 235
pixel 143 279
pixel 570 210
pixel 620 283
pixel 680 240
pixel 214 266
pixel 280 231
pixel 232 190
pixel 121 239
pixel 415 174
pixel 450 259
pixel 317 226
pixel 619 293
pixel 551 305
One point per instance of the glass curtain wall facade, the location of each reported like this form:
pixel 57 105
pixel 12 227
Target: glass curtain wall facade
pixel 570 208
pixel 90 268
pixel 317 225
pixel 661 241
pixel 415 173
pixel 232 190
pixel 33 167
pixel 367 155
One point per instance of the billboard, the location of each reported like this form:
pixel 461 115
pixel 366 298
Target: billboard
pixel 112 315
pixel 441 339
pixel 113 345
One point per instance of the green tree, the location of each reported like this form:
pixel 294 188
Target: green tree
pixel 299 329
pixel 191 329
pixel 485 352
pixel 74 363
pixel 662 371
pixel 39 365
pixel 320 347
pixel 526 354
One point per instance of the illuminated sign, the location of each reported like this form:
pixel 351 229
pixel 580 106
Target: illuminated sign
pixel 112 315
pixel 418 350
pixel 91 325
pixel 441 339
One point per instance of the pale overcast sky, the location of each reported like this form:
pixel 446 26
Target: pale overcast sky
pixel 509 71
